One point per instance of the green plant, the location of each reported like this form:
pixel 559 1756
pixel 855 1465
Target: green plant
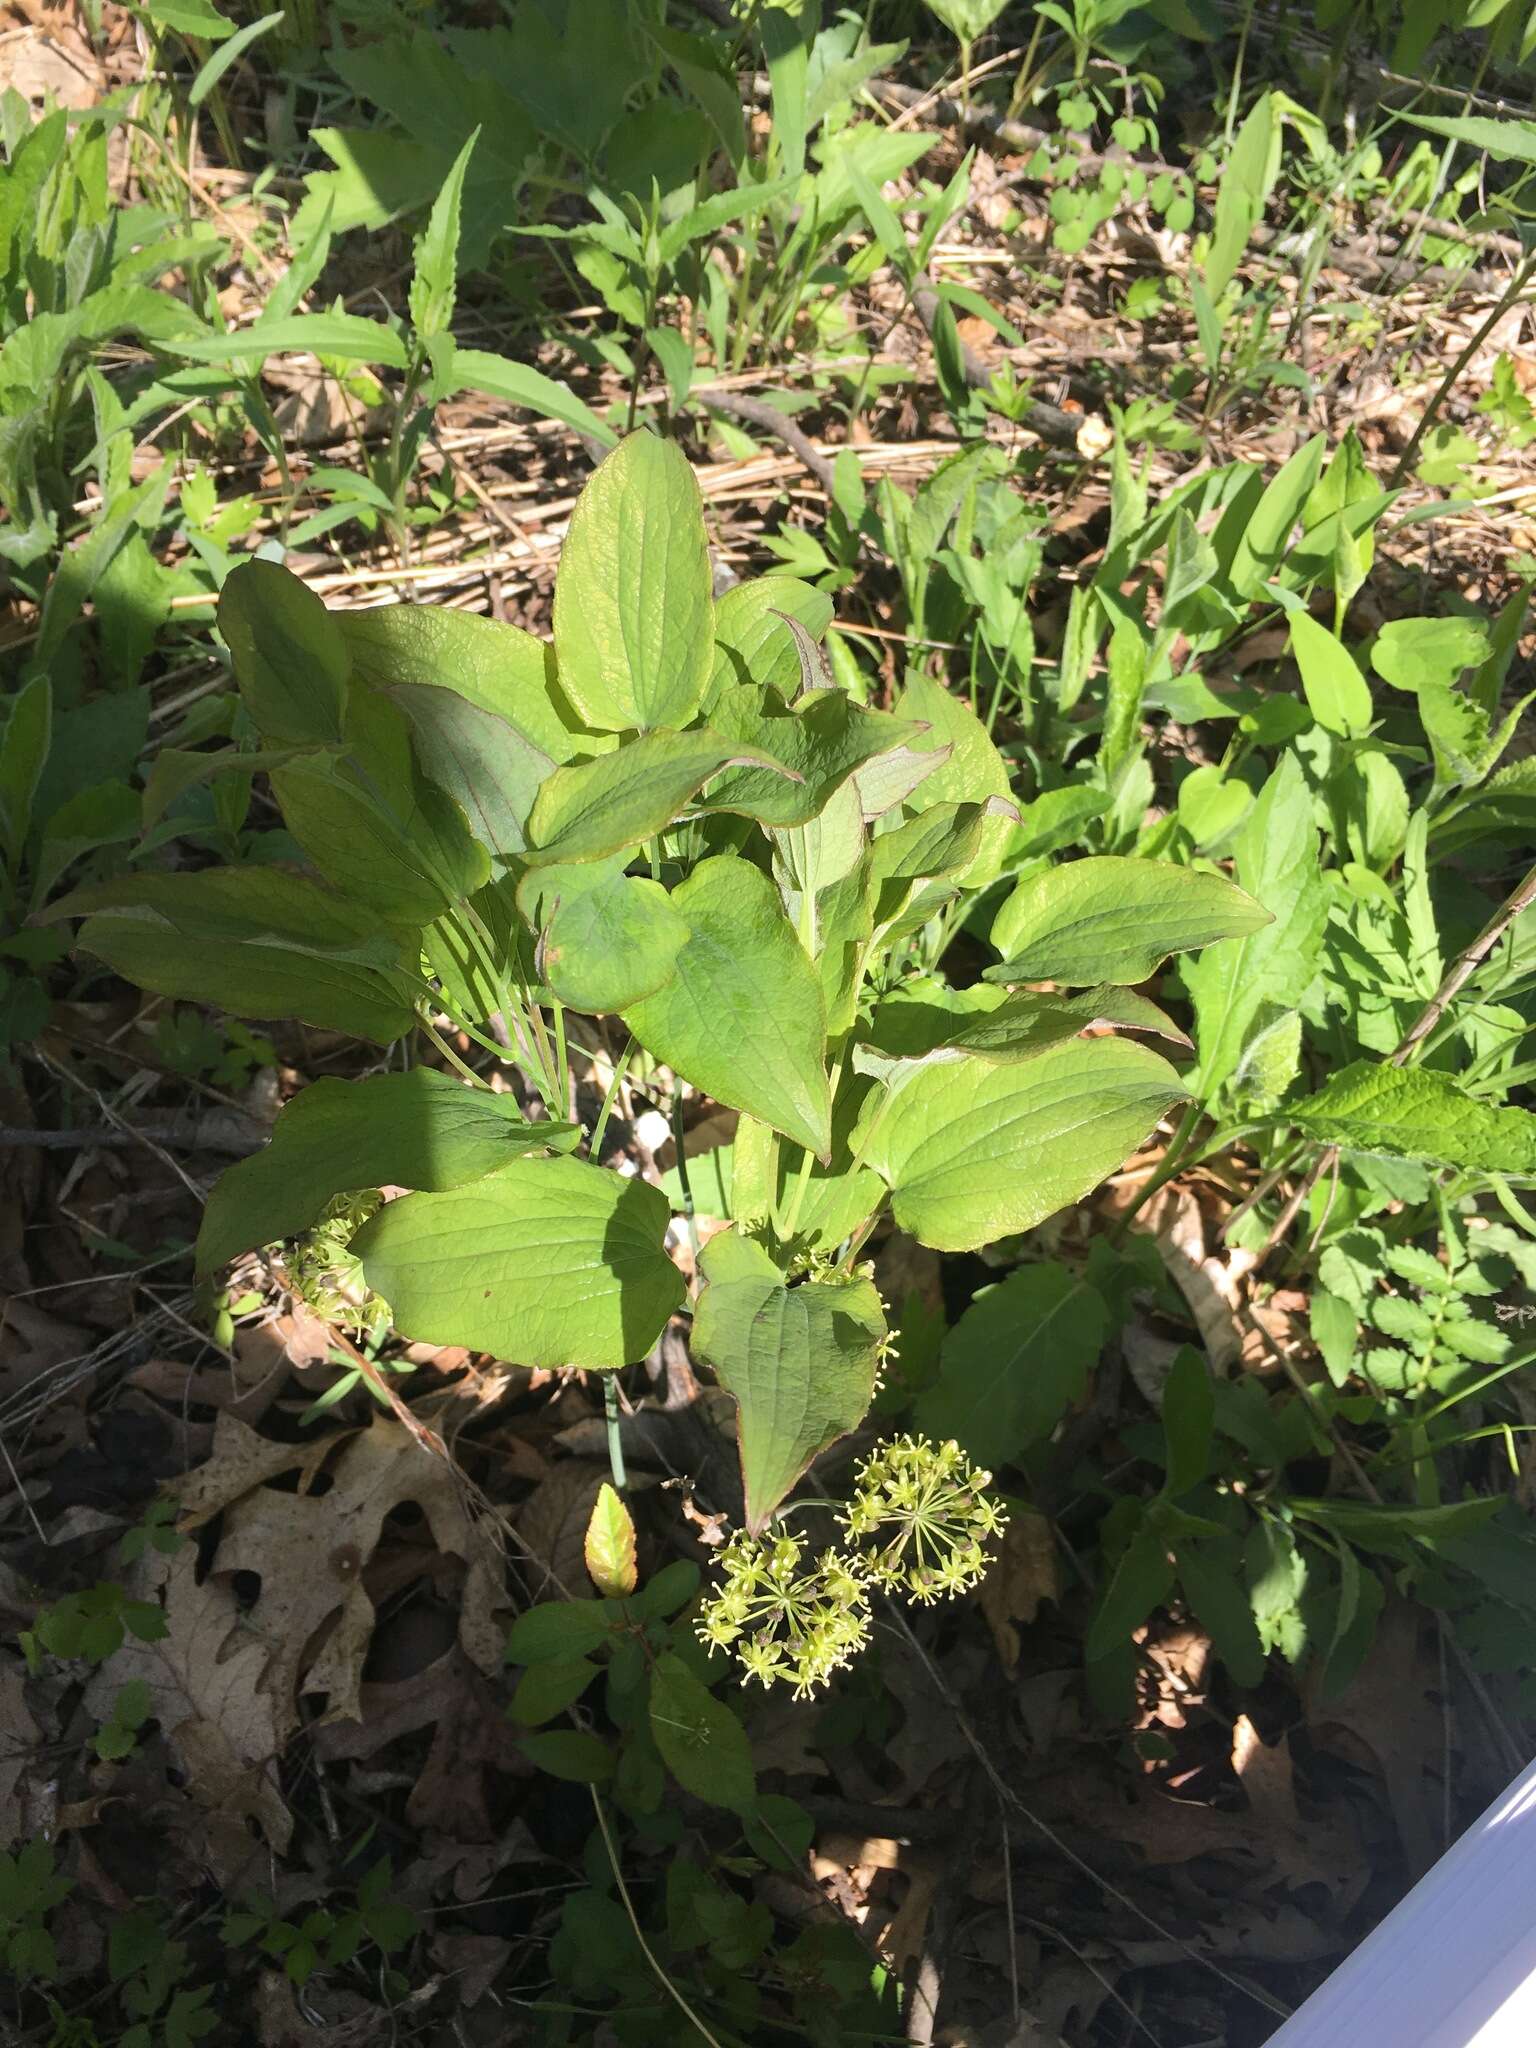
pixel 325 1938
pixel 671 818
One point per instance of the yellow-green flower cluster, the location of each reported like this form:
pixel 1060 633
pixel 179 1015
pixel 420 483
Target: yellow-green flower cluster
pixel 327 1277
pixel 784 1618
pixel 916 1525
pixel 919 1516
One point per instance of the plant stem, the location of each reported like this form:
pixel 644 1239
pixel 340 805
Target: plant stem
pixel 610 1096
pixel 1167 1167
pixel 1511 297
pixel 661 1976
pixel 615 1440
pixel 475 1080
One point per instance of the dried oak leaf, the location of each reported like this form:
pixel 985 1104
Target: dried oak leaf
pixel 1023 1574
pixel 311 1551
pixel 204 1683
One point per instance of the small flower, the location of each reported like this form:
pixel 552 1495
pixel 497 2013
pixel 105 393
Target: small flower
pixel 784 1617
pixel 327 1276
pixel 919 1515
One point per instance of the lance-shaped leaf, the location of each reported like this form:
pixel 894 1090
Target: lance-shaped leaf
pixel 633 602
pixel 420 1129
pixel 1016 1028
pixel 819 743
pixel 973 1151
pixel 1417 1113
pixel 549 1262
pixel 592 808
pixel 254 942
pixel 741 1016
pixel 290 660
pixel 612 945
pixel 800 1361
pixel 1114 920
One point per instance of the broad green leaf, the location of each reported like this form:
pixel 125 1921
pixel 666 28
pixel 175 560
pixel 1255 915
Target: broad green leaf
pixel 1261 545
pixel 498 668
pixel 419 1129
pixel 1390 1528
pixel 800 1362
pixel 742 1017
pixel 1246 182
pixel 1338 695
pixel 1189 1416
pixel 1335 1332
pixel 1106 919
pixel 944 840
pixel 1277 863
pixel 289 656
pixel 701 1741
pixel 972 1151
pixel 634 612
pixel 24 742
pixel 550 1262
pixel 1006 1028
pixel 1014 1363
pixel 609 1546
pixel 971 770
pixel 490 769
pixel 821 743
pixel 752 642
pixel 1417 1113
pixel 567 1753
pixel 347 337
pixel 557 1631
pixel 476 369
pixel 608 947
pixel 1212 1585
pixel 1141 1582
pixel 398 846
pixel 175 770
pixel 765 1180
pixel 256 943
pixel 587 809
pixel 548 1689
pixel 1414 654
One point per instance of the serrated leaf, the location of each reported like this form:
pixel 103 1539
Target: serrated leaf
pixel 1417 1113
pixel 1106 919
pixel 741 1017
pixel 609 1546
pixel 1277 864
pixel 633 602
pixel 800 1362
pixel 420 1129
pixel 973 1151
pixel 551 1262
pixel 1014 1363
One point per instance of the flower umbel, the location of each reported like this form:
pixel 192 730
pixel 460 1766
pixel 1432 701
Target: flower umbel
pixel 919 1516
pixel 327 1277
pixel 784 1618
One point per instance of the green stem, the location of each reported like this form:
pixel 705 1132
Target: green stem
pixel 1169 1165
pixel 453 1059
pixel 615 1440
pixel 599 1129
